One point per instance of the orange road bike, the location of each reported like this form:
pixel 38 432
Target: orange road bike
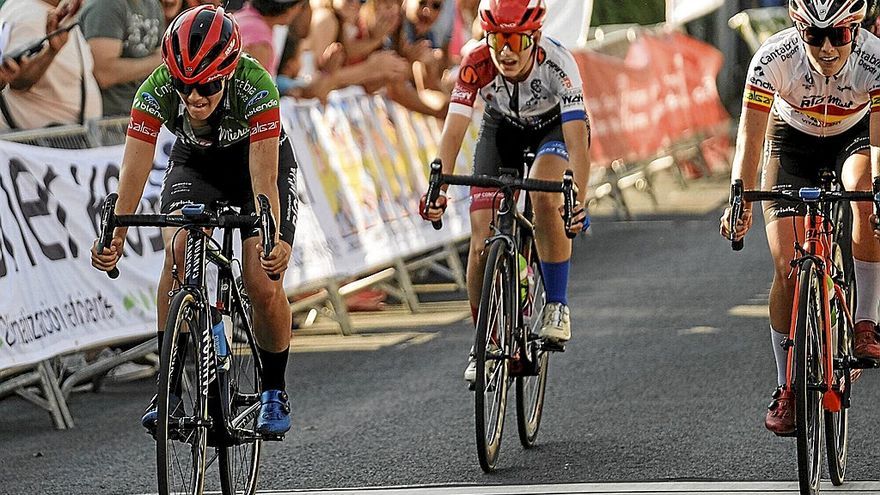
pixel 820 343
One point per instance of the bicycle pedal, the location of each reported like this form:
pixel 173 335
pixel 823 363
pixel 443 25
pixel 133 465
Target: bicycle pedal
pixel 472 386
pixel 268 437
pixel 552 346
pixel 792 433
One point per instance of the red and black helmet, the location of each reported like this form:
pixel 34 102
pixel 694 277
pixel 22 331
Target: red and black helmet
pixel 202 44
pixel 512 16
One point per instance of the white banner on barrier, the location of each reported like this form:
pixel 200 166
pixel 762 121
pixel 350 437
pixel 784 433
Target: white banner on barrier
pixel 363 167
pixel 54 301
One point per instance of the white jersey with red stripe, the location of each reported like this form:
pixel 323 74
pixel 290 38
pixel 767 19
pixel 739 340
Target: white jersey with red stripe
pixel 553 85
pixel 781 79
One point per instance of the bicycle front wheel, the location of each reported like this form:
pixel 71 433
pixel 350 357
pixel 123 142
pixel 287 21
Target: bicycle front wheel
pixel 530 389
pixel 490 350
pixel 808 377
pixel 239 462
pixel 181 432
pixel 837 423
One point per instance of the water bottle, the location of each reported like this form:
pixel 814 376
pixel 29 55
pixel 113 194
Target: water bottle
pixel 221 344
pixel 829 287
pixel 523 278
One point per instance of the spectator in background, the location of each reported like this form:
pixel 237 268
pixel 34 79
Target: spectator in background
pixel 872 22
pixel 173 8
pixel 350 53
pixel 255 23
pixel 56 86
pixel 124 37
pixel 465 27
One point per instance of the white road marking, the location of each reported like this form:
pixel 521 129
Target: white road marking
pixel 670 488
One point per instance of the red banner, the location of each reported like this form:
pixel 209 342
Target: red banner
pixel 662 91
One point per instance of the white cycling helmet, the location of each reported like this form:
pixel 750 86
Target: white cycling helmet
pixel 827 13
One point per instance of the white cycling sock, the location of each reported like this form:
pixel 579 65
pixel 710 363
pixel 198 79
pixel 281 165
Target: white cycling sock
pixel 868 292
pixel 780 353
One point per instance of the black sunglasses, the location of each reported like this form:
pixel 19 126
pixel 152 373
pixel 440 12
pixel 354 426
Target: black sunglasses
pixel 205 89
pixel 837 36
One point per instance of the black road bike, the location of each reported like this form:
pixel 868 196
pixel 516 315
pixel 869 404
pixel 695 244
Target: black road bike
pixel 205 399
pixel 507 346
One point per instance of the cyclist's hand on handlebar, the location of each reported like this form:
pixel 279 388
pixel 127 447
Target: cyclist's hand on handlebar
pixel 742 225
pixel 277 261
pixel 874 225
pixel 106 260
pixel 580 219
pixel 435 212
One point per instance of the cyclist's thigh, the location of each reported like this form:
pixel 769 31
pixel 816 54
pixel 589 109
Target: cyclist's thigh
pixel 480 230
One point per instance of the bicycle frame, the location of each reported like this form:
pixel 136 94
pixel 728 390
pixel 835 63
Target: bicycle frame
pixel 817 247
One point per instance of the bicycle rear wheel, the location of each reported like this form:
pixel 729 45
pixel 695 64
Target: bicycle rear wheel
pixel 808 377
pixel 181 432
pixel 837 423
pixel 490 350
pixel 530 390
pixel 239 463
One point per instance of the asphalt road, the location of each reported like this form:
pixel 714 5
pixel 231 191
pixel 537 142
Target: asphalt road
pixel 660 382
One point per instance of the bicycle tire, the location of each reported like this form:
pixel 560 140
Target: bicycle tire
pixel 531 390
pixel 178 471
pixel 239 463
pixel 490 350
pixel 837 423
pixel 807 374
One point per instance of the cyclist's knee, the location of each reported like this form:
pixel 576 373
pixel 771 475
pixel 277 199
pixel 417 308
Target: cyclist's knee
pixel 263 293
pixel 546 206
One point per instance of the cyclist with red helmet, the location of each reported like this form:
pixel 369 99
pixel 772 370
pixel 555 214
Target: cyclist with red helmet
pixel 224 108
pixel 812 103
pixel 534 100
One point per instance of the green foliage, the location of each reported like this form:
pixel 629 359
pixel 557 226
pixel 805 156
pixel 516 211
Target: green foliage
pixel 628 11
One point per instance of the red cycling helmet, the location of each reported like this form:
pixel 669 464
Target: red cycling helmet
pixel 512 16
pixel 201 45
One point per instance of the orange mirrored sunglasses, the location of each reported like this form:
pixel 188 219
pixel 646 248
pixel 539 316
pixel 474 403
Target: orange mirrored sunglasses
pixel 516 41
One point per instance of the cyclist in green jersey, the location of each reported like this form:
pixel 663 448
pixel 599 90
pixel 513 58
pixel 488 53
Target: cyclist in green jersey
pixel 224 108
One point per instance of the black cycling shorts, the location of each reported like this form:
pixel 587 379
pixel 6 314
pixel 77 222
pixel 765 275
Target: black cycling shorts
pixel 793 159
pixel 222 174
pixel 502 144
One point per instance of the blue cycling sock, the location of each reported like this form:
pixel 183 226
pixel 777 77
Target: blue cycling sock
pixel 556 281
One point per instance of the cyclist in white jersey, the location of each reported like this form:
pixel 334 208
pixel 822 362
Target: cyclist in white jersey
pixel 534 100
pixel 811 102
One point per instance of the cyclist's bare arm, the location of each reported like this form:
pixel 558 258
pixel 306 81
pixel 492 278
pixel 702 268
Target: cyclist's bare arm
pixel 577 138
pixel 137 162
pixel 263 163
pixel 746 162
pixel 454 130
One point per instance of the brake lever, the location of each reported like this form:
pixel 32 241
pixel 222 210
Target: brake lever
pixel 569 191
pixel 267 229
pixel 736 211
pixel 108 221
pixel 434 191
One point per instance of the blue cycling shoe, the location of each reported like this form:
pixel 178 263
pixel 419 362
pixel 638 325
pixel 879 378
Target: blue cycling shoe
pixel 274 419
pixel 151 415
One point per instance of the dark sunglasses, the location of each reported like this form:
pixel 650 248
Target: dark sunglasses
pixel 837 36
pixel 205 89
pixel 433 5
